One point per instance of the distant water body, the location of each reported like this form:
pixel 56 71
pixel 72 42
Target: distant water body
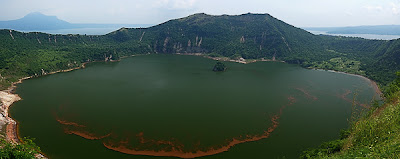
pixel 106 30
pixel 174 105
pixel 84 31
pixel 365 36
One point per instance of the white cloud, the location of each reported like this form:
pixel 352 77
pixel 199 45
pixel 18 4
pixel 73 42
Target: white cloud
pixel 175 4
pixel 348 13
pixel 184 4
pixel 371 8
pixel 295 12
pixel 395 8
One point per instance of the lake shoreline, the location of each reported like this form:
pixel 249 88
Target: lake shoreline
pixel 12 134
pixel 227 59
pixel 8 97
pixel 11 131
pixel 373 84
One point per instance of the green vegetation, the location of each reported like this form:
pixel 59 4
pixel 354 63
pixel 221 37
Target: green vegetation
pixel 248 36
pixel 338 64
pixel 219 67
pixel 26 150
pixel 375 135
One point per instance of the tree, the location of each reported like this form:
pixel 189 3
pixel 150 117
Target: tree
pixel 26 150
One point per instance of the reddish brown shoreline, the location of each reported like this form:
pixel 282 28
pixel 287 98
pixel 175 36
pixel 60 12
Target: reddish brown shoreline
pixel 175 149
pixel 12 132
pixel 12 125
pixel 176 152
pixel 11 128
pixel 12 135
pixel 7 99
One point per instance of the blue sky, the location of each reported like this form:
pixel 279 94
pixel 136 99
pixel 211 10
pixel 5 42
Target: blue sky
pixel 300 13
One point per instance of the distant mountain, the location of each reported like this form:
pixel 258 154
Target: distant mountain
pixel 248 36
pixel 37 21
pixel 375 29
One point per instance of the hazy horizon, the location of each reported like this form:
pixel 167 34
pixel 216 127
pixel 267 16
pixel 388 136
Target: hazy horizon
pixel 302 13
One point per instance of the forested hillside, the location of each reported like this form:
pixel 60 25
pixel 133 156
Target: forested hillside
pixel 250 36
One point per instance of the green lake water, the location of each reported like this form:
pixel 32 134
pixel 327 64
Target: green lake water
pixel 148 102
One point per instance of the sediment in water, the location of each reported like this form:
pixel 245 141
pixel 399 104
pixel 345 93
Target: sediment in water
pixel 176 152
pixel 171 148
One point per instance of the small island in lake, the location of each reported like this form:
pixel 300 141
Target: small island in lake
pixel 219 67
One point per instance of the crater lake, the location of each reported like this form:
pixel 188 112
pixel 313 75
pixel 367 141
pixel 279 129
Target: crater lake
pixel 176 106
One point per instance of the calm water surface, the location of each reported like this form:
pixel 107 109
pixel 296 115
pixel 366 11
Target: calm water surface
pixel 365 36
pixel 176 103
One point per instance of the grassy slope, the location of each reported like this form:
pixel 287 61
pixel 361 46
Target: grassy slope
pixel 375 135
pixel 248 36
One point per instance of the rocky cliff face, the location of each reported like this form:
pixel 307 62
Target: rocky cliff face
pixel 249 36
pixel 6 100
pixel 3 119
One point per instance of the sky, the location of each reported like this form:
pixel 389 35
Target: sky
pixel 300 13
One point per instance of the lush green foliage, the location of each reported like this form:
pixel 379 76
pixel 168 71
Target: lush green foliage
pixel 338 64
pixel 375 135
pixel 26 150
pixel 325 149
pixel 392 89
pixel 250 36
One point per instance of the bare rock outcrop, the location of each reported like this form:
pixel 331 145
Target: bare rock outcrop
pixel 6 99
